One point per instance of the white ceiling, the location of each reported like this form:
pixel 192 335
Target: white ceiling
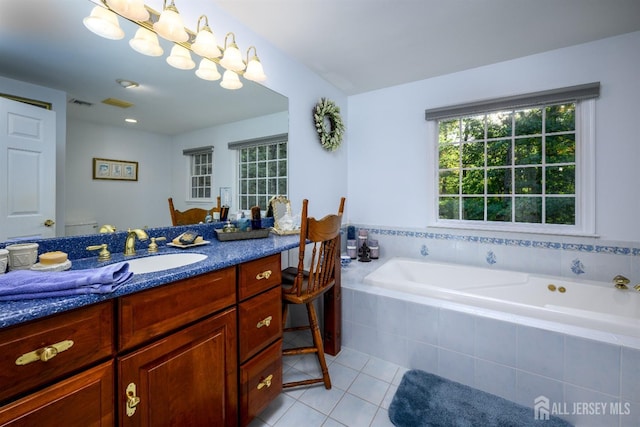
pixel 363 45
pixel 358 45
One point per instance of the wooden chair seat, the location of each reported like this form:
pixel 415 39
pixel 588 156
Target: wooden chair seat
pixel 190 216
pixel 302 286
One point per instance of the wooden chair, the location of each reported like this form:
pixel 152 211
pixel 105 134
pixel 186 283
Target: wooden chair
pixel 190 216
pixel 305 286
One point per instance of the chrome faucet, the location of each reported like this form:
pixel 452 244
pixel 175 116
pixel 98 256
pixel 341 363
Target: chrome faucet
pixel 130 243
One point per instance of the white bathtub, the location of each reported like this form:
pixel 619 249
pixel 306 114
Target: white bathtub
pixel 588 309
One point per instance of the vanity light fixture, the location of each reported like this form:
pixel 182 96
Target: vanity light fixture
pixel 230 80
pixel 208 70
pixel 130 9
pixel 205 44
pixel 146 43
pixel 180 58
pixel 232 58
pixel 104 23
pixel 168 24
pixel 254 69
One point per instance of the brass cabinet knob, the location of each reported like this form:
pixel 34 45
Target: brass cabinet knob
pixel 264 275
pixel 49 223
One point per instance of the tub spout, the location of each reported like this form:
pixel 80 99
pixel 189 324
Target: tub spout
pixel 621 282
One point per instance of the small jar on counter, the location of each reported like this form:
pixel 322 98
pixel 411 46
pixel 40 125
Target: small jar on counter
pixel 374 249
pixel 352 249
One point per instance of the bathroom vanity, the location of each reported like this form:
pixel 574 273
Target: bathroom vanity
pixel 199 345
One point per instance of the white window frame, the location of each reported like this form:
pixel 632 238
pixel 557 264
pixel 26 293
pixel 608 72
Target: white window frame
pixel 254 143
pixel 189 156
pixel 584 192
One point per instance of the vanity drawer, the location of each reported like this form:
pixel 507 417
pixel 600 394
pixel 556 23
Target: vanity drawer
pixel 260 382
pixel 149 314
pixel 258 276
pixel 260 322
pixel 89 328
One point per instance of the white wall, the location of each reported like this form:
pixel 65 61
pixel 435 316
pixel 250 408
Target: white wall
pixel 224 160
pixel 389 172
pixel 124 204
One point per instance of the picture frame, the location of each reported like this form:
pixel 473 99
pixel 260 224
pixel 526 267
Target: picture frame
pixel 119 170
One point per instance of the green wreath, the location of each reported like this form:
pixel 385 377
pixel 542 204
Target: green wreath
pixel 328 124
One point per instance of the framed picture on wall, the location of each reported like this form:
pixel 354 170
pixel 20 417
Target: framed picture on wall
pixel 121 170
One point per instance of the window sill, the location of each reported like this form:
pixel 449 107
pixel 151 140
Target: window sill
pixel 501 228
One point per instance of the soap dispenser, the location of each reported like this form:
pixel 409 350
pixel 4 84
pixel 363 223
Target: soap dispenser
pixel 208 218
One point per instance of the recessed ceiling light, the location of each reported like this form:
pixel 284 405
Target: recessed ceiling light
pixel 127 84
pixel 129 120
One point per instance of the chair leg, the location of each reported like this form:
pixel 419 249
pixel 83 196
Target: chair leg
pixel 317 341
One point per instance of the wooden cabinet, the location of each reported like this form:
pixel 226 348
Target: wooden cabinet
pixel 29 353
pixel 203 351
pixel 186 379
pixel 83 400
pixel 259 334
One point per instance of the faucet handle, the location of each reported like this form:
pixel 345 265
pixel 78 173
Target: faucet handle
pixel 104 254
pixel 153 246
pixel 621 282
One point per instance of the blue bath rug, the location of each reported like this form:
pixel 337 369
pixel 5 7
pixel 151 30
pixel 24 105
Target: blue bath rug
pixel 424 399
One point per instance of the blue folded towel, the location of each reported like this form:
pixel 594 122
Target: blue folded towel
pixel 27 284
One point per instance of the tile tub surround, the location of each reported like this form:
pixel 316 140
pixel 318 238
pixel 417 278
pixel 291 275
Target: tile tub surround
pixel 219 255
pixel 565 256
pixel 516 361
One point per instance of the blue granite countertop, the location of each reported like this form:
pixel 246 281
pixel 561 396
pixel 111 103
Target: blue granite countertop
pixel 219 255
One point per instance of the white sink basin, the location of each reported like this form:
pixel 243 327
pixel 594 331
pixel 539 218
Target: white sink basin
pixel 154 263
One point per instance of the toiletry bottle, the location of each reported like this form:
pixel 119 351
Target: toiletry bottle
pixel 208 218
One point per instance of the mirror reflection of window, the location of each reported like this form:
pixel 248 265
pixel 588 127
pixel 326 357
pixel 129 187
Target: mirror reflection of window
pixel 262 170
pixel 200 173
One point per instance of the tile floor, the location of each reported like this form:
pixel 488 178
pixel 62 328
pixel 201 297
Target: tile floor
pixel 362 389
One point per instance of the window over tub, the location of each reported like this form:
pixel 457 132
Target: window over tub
pixel 522 163
pixel 200 173
pixel 262 170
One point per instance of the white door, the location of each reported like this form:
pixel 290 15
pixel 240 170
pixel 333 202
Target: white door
pixel 27 171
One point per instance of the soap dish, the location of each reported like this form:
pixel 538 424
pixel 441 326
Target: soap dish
pixel 51 267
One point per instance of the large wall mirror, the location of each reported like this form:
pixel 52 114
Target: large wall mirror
pixel 45 43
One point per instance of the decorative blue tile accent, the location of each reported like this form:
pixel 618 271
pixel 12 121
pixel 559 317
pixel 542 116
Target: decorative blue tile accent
pixel 577 267
pixel 424 251
pixel 491 258
pixel 577 247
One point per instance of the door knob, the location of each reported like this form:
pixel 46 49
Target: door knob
pixel 49 223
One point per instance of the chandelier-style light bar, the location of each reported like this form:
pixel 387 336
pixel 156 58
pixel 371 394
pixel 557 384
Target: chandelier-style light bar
pixel 168 24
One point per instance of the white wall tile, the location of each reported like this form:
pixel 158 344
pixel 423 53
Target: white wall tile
pixel 495 341
pixel 592 364
pixel 540 352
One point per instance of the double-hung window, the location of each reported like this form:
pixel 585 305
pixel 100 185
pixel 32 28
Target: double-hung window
pixel 200 171
pixel 522 163
pixel 262 170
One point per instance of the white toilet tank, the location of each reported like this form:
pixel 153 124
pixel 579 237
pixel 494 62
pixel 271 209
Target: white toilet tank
pixel 79 228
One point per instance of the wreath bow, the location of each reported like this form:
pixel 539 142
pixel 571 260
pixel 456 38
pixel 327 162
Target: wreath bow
pixel 328 124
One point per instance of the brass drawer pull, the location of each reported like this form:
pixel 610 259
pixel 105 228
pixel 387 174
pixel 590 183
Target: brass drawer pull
pixel 265 382
pixel 264 322
pixel 132 400
pixel 45 353
pixel 263 275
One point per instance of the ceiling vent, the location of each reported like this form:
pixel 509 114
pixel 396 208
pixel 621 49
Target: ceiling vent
pixel 117 102
pixel 79 102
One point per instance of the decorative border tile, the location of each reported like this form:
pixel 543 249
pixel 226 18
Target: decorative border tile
pixel 568 246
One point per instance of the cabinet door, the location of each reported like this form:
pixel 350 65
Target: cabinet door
pixel 186 379
pixel 83 400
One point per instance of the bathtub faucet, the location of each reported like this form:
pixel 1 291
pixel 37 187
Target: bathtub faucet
pixel 621 282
